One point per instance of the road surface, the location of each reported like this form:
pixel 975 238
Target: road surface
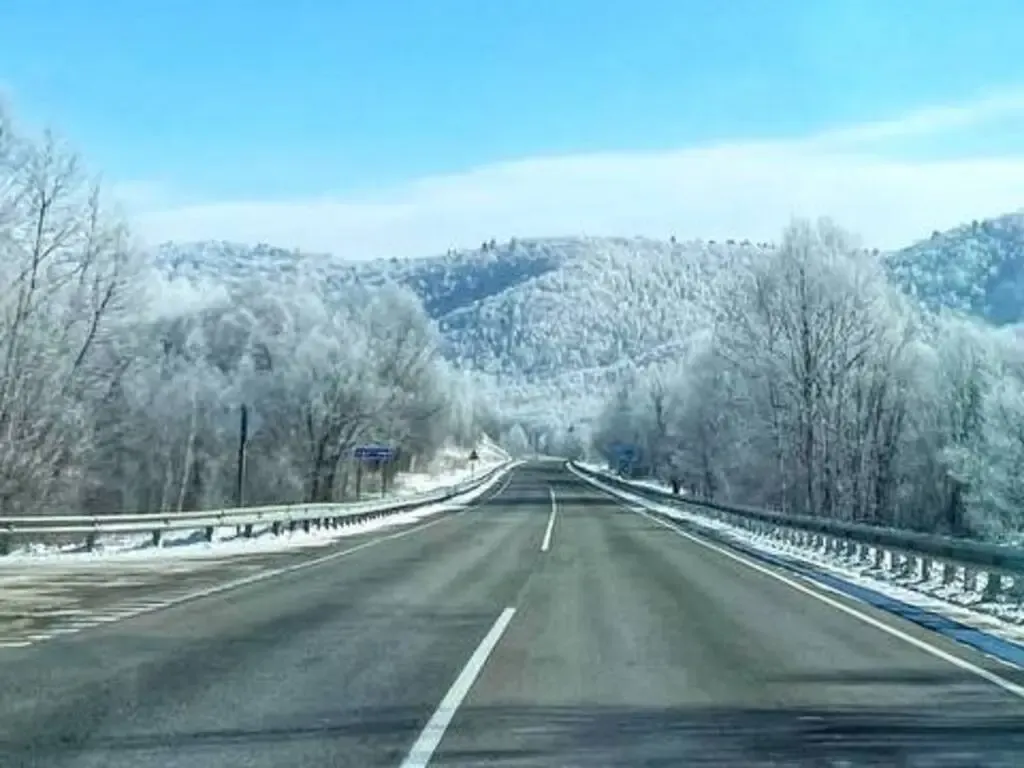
pixel 547 625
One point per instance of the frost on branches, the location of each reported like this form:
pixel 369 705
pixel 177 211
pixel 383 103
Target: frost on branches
pixel 65 275
pixel 120 390
pixel 816 387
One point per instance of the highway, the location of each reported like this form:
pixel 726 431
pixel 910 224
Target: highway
pixel 546 625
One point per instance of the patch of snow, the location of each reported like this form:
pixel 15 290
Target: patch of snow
pixel 651 483
pixel 450 467
pixel 227 542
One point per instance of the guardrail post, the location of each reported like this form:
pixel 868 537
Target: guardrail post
pixel 993 586
pixel 305 525
pixel 926 568
pixel 1017 590
pixel 879 558
pixel 275 527
pixel 248 531
pixel 948 573
pixel 864 553
pixel 156 537
pixel 209 533
pixel 5 543
pixel 970 579
pixel 902 565
pixel 90 541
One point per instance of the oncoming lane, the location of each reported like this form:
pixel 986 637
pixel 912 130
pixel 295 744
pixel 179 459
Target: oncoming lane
pixel 44 598
pixel 340 663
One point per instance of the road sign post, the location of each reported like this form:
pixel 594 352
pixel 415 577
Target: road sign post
pixel 379 456
pixel 625 457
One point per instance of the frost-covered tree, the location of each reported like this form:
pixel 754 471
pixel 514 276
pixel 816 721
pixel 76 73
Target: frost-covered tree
pixel 66 271
pixel 318 372
pixel 821 389
pixel 123 390
pixel 516 441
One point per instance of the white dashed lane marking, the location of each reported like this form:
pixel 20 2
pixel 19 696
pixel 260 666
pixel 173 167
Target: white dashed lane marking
pixel 39 603
pixel 43 601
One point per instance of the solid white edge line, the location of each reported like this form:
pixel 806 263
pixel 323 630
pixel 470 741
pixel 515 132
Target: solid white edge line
pixel 1007 685
pixel 301 566
pixel 546 544
pixel 145 607
pixel 430 737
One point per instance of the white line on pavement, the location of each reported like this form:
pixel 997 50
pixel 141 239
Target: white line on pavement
pixel 546 544
pixel 1007 685
pixel 974 669
pixel 133 608
pixel 429 739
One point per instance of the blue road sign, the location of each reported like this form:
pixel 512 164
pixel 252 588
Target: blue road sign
pixel 624 451
pixel 373 452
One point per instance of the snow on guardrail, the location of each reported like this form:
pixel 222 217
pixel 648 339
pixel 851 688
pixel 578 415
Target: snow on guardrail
pixel 979 584
pixel 281 518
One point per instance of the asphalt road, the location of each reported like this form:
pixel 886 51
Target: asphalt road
pixel 46 597
pixel 508 635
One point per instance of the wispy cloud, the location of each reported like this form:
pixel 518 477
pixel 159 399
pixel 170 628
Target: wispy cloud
pixel 930 121
pixel 741 190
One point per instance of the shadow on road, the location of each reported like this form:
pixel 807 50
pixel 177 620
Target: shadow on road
pixel 542 503
pixel 941 735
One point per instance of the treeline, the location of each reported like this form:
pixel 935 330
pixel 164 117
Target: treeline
pixel 815 387
pixel 121 390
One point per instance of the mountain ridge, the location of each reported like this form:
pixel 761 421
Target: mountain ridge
pixel 552 323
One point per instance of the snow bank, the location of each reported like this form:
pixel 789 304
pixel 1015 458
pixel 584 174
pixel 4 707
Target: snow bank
pixel 227 541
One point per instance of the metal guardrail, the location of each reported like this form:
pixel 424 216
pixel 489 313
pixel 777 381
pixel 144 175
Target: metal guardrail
pixel 881 547
pixel 279 518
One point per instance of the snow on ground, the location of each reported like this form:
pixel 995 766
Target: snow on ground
pixel 958 601
pixel 449 469
pixel 56 594
pixel 651 483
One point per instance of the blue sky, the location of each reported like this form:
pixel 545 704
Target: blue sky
pixel 220 102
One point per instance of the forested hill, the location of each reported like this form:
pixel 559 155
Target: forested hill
pixel 552 322
pixel 977 268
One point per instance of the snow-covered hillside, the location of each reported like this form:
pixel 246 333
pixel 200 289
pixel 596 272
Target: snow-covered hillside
pixel 550 322
pixel 977 268
pixel 553 324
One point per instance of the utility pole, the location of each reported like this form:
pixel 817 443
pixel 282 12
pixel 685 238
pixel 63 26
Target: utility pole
pixel 243 437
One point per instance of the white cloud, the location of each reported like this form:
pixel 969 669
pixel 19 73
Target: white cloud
pixel 933 120
pixel 740 190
